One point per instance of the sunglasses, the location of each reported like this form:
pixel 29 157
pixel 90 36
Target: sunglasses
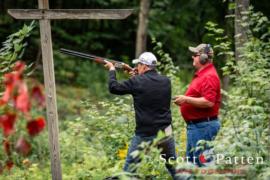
pixel 195 55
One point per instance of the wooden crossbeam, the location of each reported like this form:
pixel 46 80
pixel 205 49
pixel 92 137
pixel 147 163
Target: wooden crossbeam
pixel 70 13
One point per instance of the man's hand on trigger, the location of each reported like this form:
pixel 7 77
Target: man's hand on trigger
pixel 109 65
pixel 133 72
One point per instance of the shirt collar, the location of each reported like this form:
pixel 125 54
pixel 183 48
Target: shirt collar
pixel 201 71
pixel 150 71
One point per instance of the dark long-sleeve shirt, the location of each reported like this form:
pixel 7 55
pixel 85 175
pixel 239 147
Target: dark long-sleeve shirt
pixel 151 97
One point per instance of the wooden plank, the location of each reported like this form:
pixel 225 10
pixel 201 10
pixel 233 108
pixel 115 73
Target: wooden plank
pixel 51 106
pixel 43 4
pixel 70 13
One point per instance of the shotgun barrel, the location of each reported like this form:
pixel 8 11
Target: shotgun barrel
pixel 97 59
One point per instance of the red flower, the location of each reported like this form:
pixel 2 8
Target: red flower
pixel 36 126
pixel 7 123
pixel 22 146
pixel 9 80
pixel 6 145
pixel 38 95
pixel 2 102
pixel 22 102
pixel 1 168
pixel 19 67
pixel 9 164
pixel 12 80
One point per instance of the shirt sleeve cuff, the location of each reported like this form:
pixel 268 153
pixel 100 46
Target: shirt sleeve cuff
pixel 112 69
pixel 112 74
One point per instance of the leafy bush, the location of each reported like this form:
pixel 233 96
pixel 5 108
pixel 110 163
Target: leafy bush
pixel 15 107
pixel 245 116
pixel 14 47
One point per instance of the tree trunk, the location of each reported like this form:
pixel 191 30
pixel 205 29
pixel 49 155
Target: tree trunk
pixel 240 31
pixel 142 27
pixel 229 31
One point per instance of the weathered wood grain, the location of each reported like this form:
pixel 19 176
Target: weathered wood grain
pixel 51 106
pixel 70 13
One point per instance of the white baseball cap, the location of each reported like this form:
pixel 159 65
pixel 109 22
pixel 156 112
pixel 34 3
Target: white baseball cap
pixel 146 58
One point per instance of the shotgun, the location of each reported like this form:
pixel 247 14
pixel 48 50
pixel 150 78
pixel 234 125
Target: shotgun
pixel 97 59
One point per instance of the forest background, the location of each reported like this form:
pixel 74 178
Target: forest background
pixel 96 126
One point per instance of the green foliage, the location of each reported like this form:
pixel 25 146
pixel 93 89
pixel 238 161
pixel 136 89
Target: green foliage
pixel 110 124
pixel 245 115
pixel 93 145
pixel 179 24
pixel 13 48
pixel 151 165
pixel 95 137
pixel 222 45
pixel 100 135
pixel 81 73
pixel 258 24
pixel 165 64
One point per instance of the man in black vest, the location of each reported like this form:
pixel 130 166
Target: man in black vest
pixel 151 94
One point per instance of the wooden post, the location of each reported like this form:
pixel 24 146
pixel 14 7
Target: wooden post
pixel 49 79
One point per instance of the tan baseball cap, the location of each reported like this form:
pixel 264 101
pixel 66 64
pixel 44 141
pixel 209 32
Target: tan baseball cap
pixel 202 48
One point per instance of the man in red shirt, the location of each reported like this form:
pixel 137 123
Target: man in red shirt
pixel 200 104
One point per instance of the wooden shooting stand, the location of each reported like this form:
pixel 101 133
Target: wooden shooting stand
pixel 44 15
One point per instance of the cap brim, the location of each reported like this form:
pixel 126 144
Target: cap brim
pixel 193 49
pixel 135 61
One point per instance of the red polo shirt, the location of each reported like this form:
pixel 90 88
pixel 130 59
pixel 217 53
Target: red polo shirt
pixel 205 83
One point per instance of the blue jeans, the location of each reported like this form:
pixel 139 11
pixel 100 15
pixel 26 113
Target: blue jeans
pixel 200 131
pixel 167 146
